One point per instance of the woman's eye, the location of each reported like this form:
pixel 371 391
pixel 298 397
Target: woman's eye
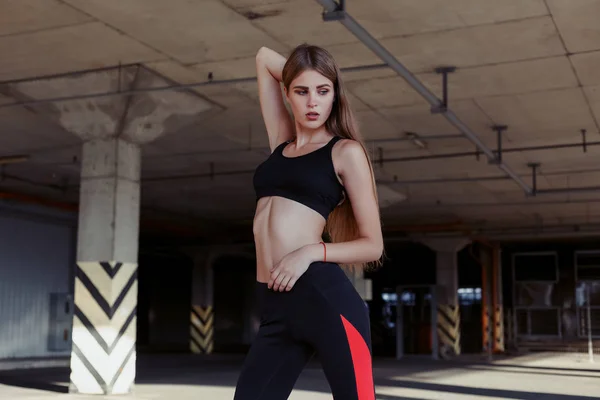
pixel 303 92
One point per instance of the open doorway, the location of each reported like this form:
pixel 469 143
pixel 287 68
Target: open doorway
pixel 415 320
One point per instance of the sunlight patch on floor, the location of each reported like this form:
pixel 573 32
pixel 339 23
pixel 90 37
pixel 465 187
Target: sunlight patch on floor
pixel 419 394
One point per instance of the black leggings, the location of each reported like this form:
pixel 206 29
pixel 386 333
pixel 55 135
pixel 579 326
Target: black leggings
pixel 324 315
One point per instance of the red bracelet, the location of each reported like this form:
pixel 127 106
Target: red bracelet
pixel 324 252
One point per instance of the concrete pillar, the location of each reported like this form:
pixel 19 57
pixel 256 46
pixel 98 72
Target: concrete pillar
pixel 202 312
pixel 111 128
pixel 487 307
pixel 103 356
pixel 448 311
pixel 447 277
pixel 491 299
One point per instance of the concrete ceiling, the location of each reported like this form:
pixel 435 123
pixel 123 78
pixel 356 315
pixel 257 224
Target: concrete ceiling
pixel 532 66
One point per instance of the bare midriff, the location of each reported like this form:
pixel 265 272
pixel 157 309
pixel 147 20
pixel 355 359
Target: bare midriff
pixel 280 227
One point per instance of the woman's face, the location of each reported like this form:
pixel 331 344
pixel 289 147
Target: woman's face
pixel 311 98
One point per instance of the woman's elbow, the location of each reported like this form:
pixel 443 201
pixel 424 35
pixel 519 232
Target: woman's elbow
pixel 260 54
pixel 377 250
pixel 263 53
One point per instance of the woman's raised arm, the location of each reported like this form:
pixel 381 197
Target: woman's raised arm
pixel 269 66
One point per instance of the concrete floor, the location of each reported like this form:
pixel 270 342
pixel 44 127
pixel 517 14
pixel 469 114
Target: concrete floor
pixel 535 376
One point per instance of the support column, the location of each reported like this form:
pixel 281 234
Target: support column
pixel 487 308
pixel 103 357
pixel 491 299
pixel 448 311
pixel 497 301
pixel 202 307
pixel 202 313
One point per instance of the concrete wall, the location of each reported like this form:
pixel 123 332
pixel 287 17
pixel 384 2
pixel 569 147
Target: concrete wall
pixel 37 250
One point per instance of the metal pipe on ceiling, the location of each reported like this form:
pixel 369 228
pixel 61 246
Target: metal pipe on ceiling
pixel 67 74
pixel 481 178
pixel 443 180
pixel 6 177
pixel 149 223
pixel 211 175
pixel 573 190
pixel 266 148
pixel 214 174
pixel 406 159
pixel 391 140
pixel 543 235
pixel 365 37
pixel 122 92
pixel 25 198
pixel 504 150
pixel 538 203
pixel 173 86
pixel 564 231
pixel 527 233
pixel 419 137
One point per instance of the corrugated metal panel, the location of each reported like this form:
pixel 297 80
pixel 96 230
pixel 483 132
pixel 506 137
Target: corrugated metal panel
pixel 36 257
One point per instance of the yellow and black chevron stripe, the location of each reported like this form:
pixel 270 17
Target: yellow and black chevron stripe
pixel 104 328
pixel 202 329
pixel 448 329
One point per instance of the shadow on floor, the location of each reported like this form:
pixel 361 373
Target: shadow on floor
pixel 50 380
pixel 547 368
pixel 223 371
pixel 483 392
pixel 523 370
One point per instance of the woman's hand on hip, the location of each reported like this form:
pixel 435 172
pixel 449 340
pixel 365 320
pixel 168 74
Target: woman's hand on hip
pixel 291 267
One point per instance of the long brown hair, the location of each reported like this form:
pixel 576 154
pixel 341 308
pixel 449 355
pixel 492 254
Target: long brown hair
pixel 341 224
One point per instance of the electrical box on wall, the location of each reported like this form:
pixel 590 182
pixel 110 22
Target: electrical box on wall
pixel 61 321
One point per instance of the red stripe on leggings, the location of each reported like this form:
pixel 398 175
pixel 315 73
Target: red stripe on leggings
pixel 361 359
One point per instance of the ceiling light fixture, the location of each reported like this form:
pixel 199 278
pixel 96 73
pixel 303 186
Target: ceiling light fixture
pixel 415 139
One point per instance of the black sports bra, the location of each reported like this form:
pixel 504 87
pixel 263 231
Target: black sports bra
pixel 309 179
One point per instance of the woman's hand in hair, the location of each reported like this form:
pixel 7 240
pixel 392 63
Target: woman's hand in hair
pixel 291 267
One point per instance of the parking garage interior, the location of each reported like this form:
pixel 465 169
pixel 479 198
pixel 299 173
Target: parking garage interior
pixel 129 133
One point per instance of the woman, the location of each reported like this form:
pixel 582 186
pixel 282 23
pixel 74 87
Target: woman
pixel 318 179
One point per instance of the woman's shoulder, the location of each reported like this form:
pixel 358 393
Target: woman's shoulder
pixel 348 150
pixel 347 144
